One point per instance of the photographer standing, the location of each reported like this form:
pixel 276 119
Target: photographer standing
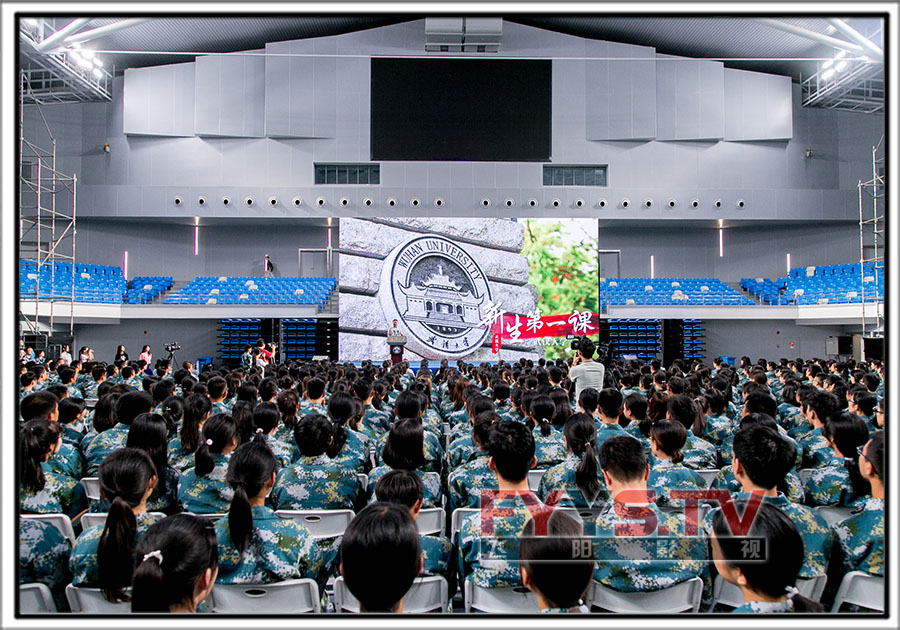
pixel 585 371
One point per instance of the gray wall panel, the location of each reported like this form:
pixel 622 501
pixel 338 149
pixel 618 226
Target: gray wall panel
pixel 230 96
pixel 757 106
pixel 769 339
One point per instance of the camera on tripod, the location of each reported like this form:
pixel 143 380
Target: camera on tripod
pixel 172 347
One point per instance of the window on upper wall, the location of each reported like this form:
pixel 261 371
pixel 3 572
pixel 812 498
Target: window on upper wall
pixel 347 174
pixel 575 174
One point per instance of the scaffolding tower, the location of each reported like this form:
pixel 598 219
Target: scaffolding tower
pixel 47 203
pixel 872 242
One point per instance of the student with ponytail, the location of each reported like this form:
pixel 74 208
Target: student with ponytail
pixel 288 403
pixel 667 472
pixel 255 545
pixel 403 451
pixel 577 475
pixel 102 556
pixel 203 489
pixel 841 482
pixel 177 561
pixel 548 441
pixel 128 407
pixel 149 432
pixel 266 418
pixel 41 489
pixel 183 446
pixel 467 482
pixel 315 481
pixel 767 583
pixel 348 446
pixel 172 411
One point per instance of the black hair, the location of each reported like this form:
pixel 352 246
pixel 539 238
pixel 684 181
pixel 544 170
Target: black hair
pixel 132 404
pixel 560 398
pixel 405 444
pixel 68 410
pixel 403 487
pixel 188 547
pixel 124 476
pixel 500 390
pixel 242 412
pixel 823 403
pixel 36 438
pixel 588 399
pixel 482 427
pixel 148 433
pixel 218 432
pixel 340 410
pixel 760 402
pixel 783 558
pixel 554 563
pixel 638 406
pixel 313 434
pixel 587 348
pixel 172 412
pixel 380 556
pixel 196 408
pixel 105 412
pixel 249 469
pixel 287 402
pixel 670 438
pixel 315 388
pixel 248 393
pixel 162 390
pixel 866 402
pixel 268 389
pixel 875 453
pixel 682 409
pixel 266 417
pixel 609 401
pixel 38 405
pixel 581 437
pixel 847 431
pixel 511 446
pixel 623 458
pixel 477 404
pixel 764 454
pixel 542 410
pixel 217 387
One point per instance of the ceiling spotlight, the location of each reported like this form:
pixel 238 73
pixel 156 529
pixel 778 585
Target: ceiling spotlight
pixel 828 74
pixel 97 62
pixel 841 65
pixel 98 73
pixel 87 53
pixel 827 64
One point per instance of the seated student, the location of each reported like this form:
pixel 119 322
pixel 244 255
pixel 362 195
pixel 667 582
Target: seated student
pixel 628 558
pixel 183 446
pixel 718 425
pixel 550 567
pixel 354 446
pixel 577 476
pixel 549 447
pixel 266 419
pixel 609 406
pixel 511 456
pixel 148 433
pixel 863 404
pixel 177 564
pixel 698 454
pixel 467 482
pixel 634 408
pixel 203 489
pixel 859 539
pixel 767 584
pixel 44 490
pixel 375 422
pixel 588 400
pixel 98 375
pixel 403 451
pixel 760 404
pixel 790 414
pixel 314 397
pixel 500 395
pixel 288 403
pixel 792 486
pixel 67 376
pixel 405 488
pixel 172 411
pixel 160 392
pixel 462 449
pixel 102 555
pixel 255 545
pixel 44 558
pixel 26 384
pixel 315 481
pixel 839 483
pixel 67 459
pixel 217 389
pixel 667 473
pixel 410 405
pixel 762 458
pixel 128 407
pixel 818 406
pixel 380 557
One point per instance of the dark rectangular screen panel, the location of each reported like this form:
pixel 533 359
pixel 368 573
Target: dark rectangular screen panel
pixel 461 109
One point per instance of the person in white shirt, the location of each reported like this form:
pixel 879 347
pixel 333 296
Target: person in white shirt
pixel 585 371
pixel 394 330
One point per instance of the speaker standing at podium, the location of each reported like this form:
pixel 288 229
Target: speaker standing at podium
pixel 394 331
pixel 396 340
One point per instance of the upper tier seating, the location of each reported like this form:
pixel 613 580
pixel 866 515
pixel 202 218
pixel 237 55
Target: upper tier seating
pixel 93 283
pixel 254 290
pixel 669 291
pixel 145 289
pixel 824 284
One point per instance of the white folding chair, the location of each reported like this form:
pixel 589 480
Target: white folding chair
pixel 432 521
pixel 35 598
pixel 320 523
pixel 432 475
pixel 456 520
pixel 727 594
pixel 91 600
pixel 708 475
pixel 534 478
pixel 59 521
pixel 509 600
pixel 363 481
pixel 861 589
pixel 92 519
pixel 833 514
pixel 214 516
pixel 425 595
pixel 673 599
pixel 288 597
pixel 91 487
pixel 804 474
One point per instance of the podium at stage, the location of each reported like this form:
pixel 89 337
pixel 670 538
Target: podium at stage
pixel 396 343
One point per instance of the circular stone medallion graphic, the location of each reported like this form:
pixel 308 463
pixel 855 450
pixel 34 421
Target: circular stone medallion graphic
pixel 439 295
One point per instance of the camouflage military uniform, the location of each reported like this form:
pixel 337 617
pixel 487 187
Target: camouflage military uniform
pixel 355 451
pixel 646 561
pixel 461 450
pixel 60 494
pixel 725 480
pixel 438 559
pixel 285 452
pixel 816 452
pixel 377 420
pixel 548 449
pixel 67 461
pixel 209 494
pixel 699 454
pixel 606 431
pixel 860 539
pixel 309 408
pixel 83 561
pixel 220 407
pixel 489 556
pixel 790 416
pixel 178 459
pixel 814 531
pixel 44 558
pixel 431 449
pixel 432 485
pixel 505 410
pixel 105 443
pixel 717 429
pixel 279 549
pixel 73 434
pixel 562 478
pixel 73 392
pixel 665 475
pixel 165 497
pixel 315 483
pixel 787 606
pixel 89 389
pixel 829 486
pixel 467 482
